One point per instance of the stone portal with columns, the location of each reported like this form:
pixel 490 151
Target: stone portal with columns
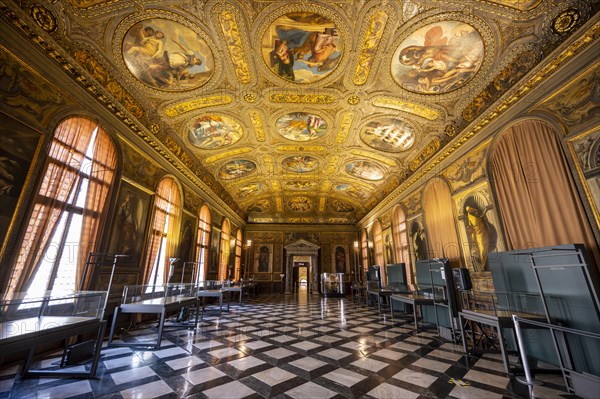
pixel 302 248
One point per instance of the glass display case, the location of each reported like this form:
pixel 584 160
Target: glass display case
pixel 332 284
pixel 219 289
pixel 27 321
pixel 157 299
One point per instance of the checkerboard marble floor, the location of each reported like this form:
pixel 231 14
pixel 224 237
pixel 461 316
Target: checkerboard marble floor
pixel 293 346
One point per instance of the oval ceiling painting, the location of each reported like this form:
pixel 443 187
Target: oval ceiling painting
pixel 300 126
pixel 250 190
pixel 236 169
pixel 391 135
pixel 167 55
pixel 210 132
pixel 364 169
pixel 300 185
pixel 300 164
pixel 438 58
pixel 302 47
pixel 300 204
pixel 351 191
pixel 260 206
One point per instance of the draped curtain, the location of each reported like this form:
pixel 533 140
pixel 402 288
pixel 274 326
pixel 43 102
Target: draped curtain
pixel 167 212
pixel 102 174
pixel 61 177
pixel 538 200
pixel 440 225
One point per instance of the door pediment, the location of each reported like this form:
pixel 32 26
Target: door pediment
pixel 302 247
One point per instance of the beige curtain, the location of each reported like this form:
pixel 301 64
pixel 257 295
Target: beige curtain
pixel 61 177
pixel 440 226
pixel 167 209
pixel 102 174
pixel 537 197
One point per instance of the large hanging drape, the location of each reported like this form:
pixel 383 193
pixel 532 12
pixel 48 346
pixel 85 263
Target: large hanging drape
pixel 61 177
pixel 102 174
pixel 167 213
pixel 440 225
pixel 538 201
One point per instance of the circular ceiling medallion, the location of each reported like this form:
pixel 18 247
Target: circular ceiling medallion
pixel 302 47
pixel 300 185
pixel 301 126
pixel 438 58
pixel 44 18
pixel 167 55
pixel 365 169
pixel 566 20
pixel 214 131
pixel 393 135
pixel 300 204
pixel 250 190
pixel 351 191
pixel 260 206
pixel 300 164
pixel 236 169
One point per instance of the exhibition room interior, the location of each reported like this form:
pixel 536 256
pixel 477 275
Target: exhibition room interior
pixel 300 199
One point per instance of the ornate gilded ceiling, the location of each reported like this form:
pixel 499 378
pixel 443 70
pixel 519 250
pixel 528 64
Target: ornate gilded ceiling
pixel 305 111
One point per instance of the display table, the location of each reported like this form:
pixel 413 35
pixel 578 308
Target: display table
pixel 161 300
pixel 378 292
pixel 26 323
pixel 214 289
pixel 415 300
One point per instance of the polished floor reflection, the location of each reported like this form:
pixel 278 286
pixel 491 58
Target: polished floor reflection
pixel 295 346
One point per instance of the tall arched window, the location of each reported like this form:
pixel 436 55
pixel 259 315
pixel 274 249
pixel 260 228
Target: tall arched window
pixel 238 255
pixel 399 231
pixel 68 211
pixel 440 222
pixel 224 250
pixel 203 241
pixel 378 246
pixel 538 201
pixel 165 230
pixel 364 252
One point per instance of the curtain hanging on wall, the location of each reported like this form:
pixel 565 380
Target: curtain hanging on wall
pixel 538 201
pixel 440 223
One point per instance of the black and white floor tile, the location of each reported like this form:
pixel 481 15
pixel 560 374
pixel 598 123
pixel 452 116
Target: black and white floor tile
pixel 299 347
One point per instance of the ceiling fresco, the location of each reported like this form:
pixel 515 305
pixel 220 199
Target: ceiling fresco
pixel 304 111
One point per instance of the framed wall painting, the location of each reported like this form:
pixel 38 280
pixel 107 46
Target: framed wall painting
pixel 263 258
pixel 215 240
pixel 19 146
pixel 340 259
pixel 128 234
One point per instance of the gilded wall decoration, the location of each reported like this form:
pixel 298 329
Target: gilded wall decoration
pixel 351 191
pixel 344 127
pixel 522 5
pixel 407 106
pixel 191 200
pixel 251 190
pixel 300 164
pixel 300 98
pixel 27 93
pixel 196 103
pixel 438 58
pixel 227 154
pixel 300 204
pixel 467 169
pixel 236 169
pixel 167 55
pixel 230 29
pixel 260 206
pixel 257 124
pixel 210 132
pixel 369 47
pixel 302 47
pixel 140 169
pixel 301 126
pixel 341 206
pixel 578 103
pixel 390 134
pixel 412 204
pixel 299 185
pixel 511 74
pixel 425 154
pixel 365 169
